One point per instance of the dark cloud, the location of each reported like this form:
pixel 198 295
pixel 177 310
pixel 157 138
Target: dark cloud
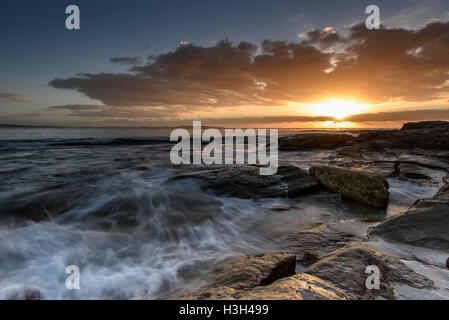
pixel 19 116
pixel 103 111
pixel 369 65
pixel 12 96
pixel 118 115
pixel 267 120
pixel 77 107
pixel 126 60
pixel 415 115
pixel 325 38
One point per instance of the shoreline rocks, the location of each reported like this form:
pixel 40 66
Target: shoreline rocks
pixel 315 243
pixel 253 270
pixel 345 268
pixel 341 275
pixel 246 182
pixel 264 277
pixel 425 224
pixel 425 125
pixel 297 287
pixel 311 141
pixel 427 135
pixel 360 186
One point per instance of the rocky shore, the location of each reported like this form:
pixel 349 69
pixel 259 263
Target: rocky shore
pixel 329 261
pixel 342 205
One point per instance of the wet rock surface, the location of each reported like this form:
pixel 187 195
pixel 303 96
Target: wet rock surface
pixel 412 172
pixel 425 224
pixel 26 293
pixel 423 135
pixel 246 182
pixel 366 188
pixel 330 258
pixel 339 275
pixel 345 268
pixel 314 243
pixel 264 277
pixel 296 287
pixel 314 141
pixel 251 271
pixel 332 261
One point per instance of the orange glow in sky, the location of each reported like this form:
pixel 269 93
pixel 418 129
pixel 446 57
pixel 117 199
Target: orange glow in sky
pixel 337 108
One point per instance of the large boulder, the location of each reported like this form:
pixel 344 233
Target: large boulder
pixel 425 224
pixel 346 269
pixel 360 186
pixel 246 182
pixel 310 141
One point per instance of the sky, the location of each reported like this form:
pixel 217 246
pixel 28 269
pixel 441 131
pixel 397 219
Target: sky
pixel 270 63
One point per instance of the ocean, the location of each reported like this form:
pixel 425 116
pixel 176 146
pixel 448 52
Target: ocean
pixel 103 200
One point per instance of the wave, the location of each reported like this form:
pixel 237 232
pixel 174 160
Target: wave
pixel 132 236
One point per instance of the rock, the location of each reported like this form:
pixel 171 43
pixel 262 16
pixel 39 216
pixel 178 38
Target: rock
pixel 246 182
pixel 296 287
pixel 425 125
pixel 251 271
pixel 315 243
pixel 357 158
pixel 309 141
pixel 422 135
pixel 22 293
pixel 309 258
pixel 345 268
pixel 37 207
pixel 372 220
pixel 424 173
pixel 278 206
pixel 363 187
pixel 447 263
pixel 411 172
pixel 425 224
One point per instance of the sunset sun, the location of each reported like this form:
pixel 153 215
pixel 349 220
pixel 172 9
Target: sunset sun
pixel 337 108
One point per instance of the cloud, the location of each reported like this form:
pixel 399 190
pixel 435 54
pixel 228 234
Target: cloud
pixel 126 60
pixel 12 96
pixel 414 115
pixel 103 111
pixel 267 120
pixel 137 116
pixel 373 66
pixel 414 15
pixel 19 116
pixel 402 116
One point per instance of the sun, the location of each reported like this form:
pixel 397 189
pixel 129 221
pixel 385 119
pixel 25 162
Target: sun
pixel 337 108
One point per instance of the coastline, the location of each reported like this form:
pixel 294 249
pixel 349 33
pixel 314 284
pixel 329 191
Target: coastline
pixel 199 223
